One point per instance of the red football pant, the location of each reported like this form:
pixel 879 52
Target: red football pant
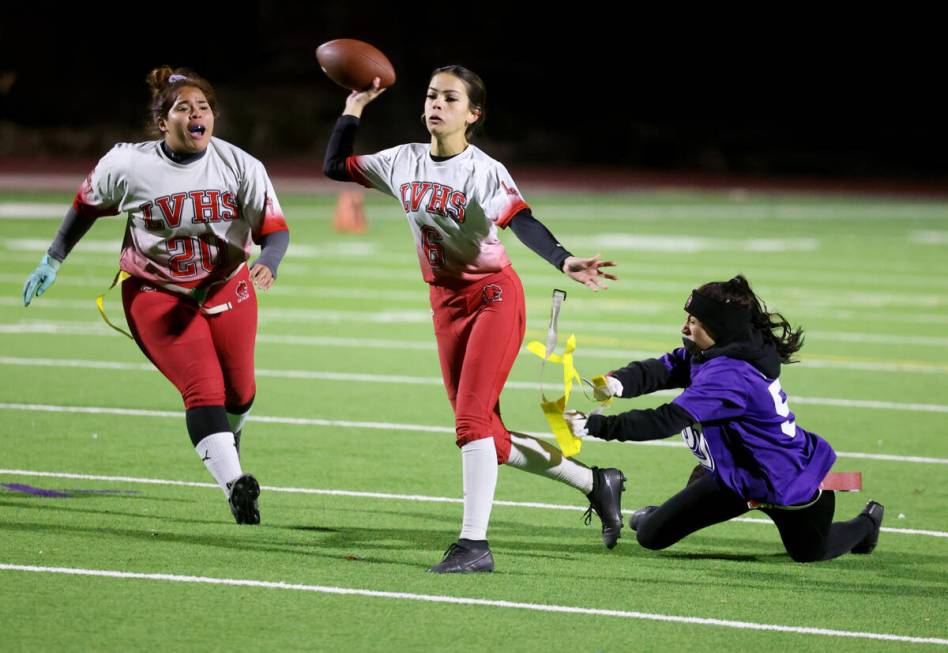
pixel 479 329
pixel 208 358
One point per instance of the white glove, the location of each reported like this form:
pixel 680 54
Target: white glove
pixel 613 389
pixel 577 422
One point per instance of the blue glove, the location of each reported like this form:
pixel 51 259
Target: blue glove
pixel 40 279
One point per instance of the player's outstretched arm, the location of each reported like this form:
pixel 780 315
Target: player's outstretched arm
pixel 537 237
pixel 40 279
pixel 634 425
pixel 71 230
pixel 588 271
pixel 358 100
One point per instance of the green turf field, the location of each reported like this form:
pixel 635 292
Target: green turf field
pixel 352 438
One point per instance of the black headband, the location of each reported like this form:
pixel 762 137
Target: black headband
pixel 727 321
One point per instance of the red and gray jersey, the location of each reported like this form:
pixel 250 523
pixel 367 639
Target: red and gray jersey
pixel 188 224
pixel 454 207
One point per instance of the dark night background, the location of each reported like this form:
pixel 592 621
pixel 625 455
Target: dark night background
pixel 585 86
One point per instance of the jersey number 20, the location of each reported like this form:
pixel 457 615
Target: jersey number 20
pixel 187 254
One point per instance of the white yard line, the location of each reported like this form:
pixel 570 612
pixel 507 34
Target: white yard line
pixel 393 426
pixel 388 496
pixel 784 210
pixel 437 381
pixel 422 315
pixel 457 600
pixel 616 356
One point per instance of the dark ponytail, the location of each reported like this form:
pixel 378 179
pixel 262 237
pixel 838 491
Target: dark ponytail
pixel 772 326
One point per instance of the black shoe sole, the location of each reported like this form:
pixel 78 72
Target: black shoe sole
pixel 868 545
pixel 243 500
pixel 476 562
pixel 606 538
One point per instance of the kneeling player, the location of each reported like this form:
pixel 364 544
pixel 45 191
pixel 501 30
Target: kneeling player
pixel 735 418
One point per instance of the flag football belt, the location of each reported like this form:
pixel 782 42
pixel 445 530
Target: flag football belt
pixel 553 410
pixel 199 295
pixel 759 505
pixel 835 481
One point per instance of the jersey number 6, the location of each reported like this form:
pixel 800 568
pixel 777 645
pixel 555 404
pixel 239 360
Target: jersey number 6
pixel 434 252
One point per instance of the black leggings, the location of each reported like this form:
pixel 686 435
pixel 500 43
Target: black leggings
pixel 808 534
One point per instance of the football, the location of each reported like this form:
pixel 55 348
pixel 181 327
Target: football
pixel 354 64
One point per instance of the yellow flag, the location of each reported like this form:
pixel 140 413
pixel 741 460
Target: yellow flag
pixel 553 410
pixel 120 276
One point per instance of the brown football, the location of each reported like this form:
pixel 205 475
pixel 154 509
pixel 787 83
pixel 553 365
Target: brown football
pixel 354 64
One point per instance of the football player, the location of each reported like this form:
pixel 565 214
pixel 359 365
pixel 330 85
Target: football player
pixel 735 418
pixel 456 199
pixel 195 205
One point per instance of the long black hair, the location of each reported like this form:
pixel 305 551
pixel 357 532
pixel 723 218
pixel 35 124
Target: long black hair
pixel 774 327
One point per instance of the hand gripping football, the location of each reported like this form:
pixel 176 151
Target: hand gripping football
pixel 354 64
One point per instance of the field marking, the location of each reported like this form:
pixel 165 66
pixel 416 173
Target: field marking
pixel 422 315
pixel 388 496
pixel 746 211
pixel 690 244
pixel 457 600
pixel 394 426
pixel 98 329
pixel 346 248
pixel 812 296
pixel 438 382
pixel 931 237
pixel 732 210
pixel 32 211
pixel 770 279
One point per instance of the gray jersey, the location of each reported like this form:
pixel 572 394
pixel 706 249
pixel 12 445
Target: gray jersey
pixel 454 207
pixel 188 224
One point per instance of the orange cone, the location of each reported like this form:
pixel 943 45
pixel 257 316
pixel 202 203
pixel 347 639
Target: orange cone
pixel 350 214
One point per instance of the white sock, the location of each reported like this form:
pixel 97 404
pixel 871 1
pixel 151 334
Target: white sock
pixel 237 421
pixel 220 457
pixel 539 457
pixel 479 469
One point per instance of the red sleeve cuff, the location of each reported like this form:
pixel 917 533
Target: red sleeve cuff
pixel 273 223
pixel 92 212
pixel 355 172
pixel 510 212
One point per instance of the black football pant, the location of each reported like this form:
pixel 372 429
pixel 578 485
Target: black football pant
pixel 808 534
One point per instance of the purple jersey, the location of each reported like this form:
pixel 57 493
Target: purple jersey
pixel 745 433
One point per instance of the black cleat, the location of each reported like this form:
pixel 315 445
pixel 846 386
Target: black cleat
pixel 606 501
pixel 463 558
pixel 637 516
pixel 874 511
pixel 243 500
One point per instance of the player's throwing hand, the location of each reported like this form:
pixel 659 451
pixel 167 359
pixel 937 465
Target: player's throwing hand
pixel 357 100
pixel 587 271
